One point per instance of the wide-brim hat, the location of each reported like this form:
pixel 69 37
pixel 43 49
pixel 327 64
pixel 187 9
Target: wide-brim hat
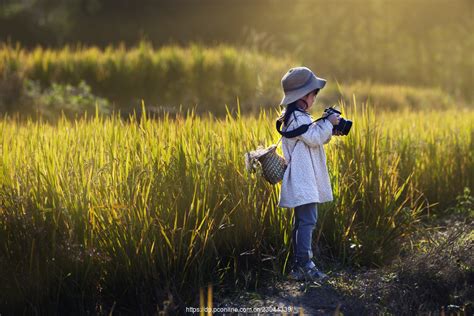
pixel 298 82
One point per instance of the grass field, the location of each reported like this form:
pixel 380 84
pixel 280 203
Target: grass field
pixel 100 212
pixel 165 77
pixel 208 79
pixel 123 131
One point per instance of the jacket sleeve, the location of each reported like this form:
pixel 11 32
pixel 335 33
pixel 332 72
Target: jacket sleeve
pixel 317 134
pixel 330 135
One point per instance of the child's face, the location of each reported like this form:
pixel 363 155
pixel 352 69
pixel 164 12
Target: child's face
pixel 310 98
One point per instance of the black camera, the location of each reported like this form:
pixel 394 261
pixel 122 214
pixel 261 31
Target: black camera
pixel 344 126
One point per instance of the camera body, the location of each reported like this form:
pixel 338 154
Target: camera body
pixel 344 125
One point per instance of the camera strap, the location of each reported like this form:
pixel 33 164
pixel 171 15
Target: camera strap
pixel 297 131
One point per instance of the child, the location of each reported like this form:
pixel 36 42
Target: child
pixel 306 179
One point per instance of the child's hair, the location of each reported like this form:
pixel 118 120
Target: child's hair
pixel 290 108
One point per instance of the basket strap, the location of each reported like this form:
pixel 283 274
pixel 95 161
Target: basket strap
pixel 279 141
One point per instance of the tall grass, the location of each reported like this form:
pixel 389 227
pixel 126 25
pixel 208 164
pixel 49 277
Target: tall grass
pixel 99 214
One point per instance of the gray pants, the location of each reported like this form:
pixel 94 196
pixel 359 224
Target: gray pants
pixel 305 219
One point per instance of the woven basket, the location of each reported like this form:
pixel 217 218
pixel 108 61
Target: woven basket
pixel 273 165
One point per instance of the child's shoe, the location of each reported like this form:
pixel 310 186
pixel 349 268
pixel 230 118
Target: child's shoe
pixel 309 272
pixel 297 274
pixel 315 274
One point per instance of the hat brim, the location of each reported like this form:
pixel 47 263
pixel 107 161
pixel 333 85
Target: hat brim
pixel 294 95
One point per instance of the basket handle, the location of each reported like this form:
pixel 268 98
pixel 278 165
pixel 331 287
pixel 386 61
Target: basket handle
pixel 291 151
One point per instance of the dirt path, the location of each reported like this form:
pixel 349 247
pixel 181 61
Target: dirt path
pixel 344 292
pixel 420 281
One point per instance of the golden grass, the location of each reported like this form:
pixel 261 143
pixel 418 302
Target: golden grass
pixel 110 211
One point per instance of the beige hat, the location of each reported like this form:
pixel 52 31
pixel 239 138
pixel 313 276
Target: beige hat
pixel 298 82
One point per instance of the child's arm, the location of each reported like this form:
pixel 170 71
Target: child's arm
pixel 329 138
pixel 317 134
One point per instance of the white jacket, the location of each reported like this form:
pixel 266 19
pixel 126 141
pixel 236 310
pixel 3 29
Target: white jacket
pixel 306 179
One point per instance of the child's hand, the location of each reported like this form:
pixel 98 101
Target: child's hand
pixel 334 118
